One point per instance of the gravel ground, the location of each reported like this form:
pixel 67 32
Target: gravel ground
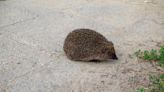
pixel 32 33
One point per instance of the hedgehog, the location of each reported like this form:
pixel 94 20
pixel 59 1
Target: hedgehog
pixel 88 45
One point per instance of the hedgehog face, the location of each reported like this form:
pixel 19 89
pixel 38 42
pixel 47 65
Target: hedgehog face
pixel 109 52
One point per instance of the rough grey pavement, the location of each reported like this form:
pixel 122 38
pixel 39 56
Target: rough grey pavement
pixel 32 33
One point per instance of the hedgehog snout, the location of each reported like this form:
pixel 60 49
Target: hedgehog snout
pixel 114 57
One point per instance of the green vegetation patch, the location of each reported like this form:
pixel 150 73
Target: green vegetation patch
pixel 156 84
pixel 152 55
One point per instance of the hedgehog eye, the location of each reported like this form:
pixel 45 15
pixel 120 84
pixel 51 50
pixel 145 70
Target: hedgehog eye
pixel 109 53
pixel 104 50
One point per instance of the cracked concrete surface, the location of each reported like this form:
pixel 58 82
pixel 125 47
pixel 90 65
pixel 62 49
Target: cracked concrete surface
pixel 32 33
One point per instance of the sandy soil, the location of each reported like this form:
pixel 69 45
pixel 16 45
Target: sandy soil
pixel 32 33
